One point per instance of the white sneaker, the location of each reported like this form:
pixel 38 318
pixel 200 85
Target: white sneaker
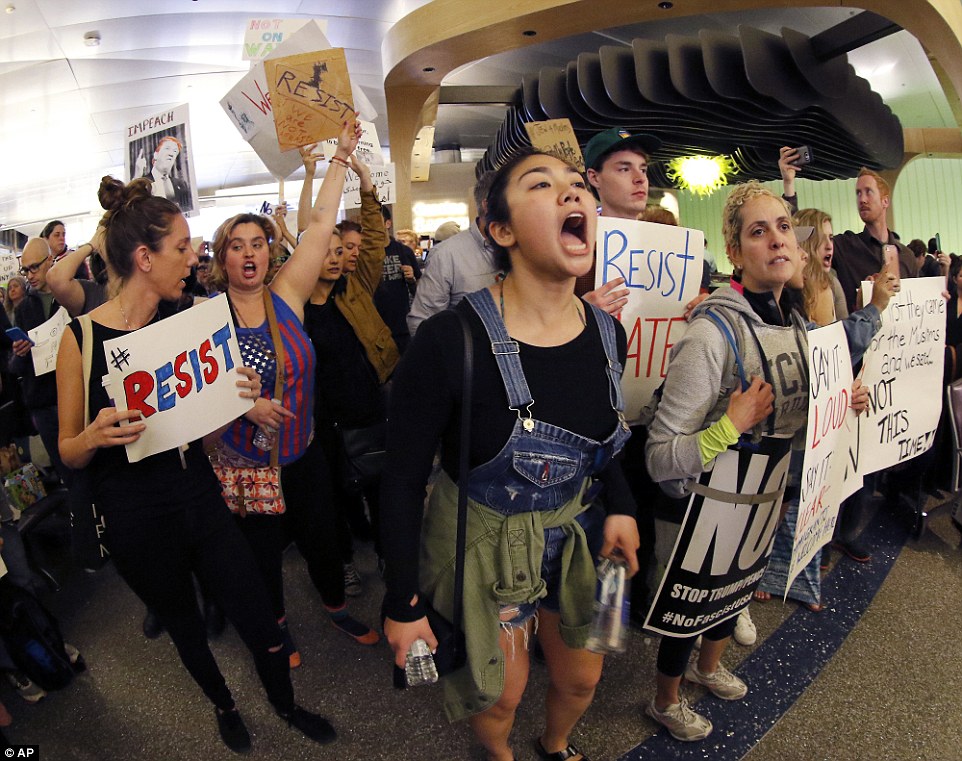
pixel 745 632
pixel 681 722
pixel 723 683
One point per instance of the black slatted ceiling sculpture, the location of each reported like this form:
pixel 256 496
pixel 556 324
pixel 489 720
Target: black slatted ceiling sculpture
pixel 742 96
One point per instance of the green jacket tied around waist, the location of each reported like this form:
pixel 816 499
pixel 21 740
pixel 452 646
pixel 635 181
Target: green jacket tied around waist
pixel 502 567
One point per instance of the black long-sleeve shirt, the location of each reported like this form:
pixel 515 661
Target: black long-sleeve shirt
pixel 570 389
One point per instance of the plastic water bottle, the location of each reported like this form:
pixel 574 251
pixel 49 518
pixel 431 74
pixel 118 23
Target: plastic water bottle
pixel 419 668
pixel 612 603
pixel 264 438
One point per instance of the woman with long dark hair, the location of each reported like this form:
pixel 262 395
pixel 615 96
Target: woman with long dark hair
pixel 546 425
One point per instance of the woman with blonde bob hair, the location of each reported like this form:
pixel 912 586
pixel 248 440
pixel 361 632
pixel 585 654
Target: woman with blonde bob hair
pixel 270 332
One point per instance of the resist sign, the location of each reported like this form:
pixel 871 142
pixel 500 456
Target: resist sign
pixel 662 268
pixel 180 374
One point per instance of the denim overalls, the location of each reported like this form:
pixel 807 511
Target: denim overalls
pixel 540 466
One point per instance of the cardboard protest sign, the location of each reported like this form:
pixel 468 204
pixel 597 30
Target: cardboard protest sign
pixel 383 179
pixel 557 137
pixel 311 38
pixel 310 95
pixel 829 411
pixel 662 268
pixel 903 372
pixel 180 373
pixel 159 148
pixel 723 546
pixel 9 267
pixel 248 105
pixel 46 342
pixel 263 35
pixel 368 147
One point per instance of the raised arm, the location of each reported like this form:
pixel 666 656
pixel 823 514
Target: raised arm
pixel 280 219
pixel 62 276
pixel 296 280
pixel 307 190
pixel 370 261
pixel 788 170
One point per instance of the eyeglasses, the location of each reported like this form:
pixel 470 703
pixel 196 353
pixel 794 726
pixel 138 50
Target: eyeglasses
pixel 33 268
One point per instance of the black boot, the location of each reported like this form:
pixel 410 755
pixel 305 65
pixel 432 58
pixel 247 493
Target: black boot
pixel 232 730
pixel 312 725
pixel 152 626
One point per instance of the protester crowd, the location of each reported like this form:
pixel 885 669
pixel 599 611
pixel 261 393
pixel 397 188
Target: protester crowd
pixel 392 394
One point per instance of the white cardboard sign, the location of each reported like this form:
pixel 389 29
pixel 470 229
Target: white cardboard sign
pixel 662 268
pixel 46 342
pixel 180 373
pixel 829 415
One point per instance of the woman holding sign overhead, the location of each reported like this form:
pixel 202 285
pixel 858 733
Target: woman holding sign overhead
pixel 271 335
pixel 166 517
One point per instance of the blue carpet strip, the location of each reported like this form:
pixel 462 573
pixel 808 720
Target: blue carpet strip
pixel 783 666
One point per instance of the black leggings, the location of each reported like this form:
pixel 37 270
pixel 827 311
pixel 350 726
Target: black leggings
pixel 156 554
pixel 674 652
pixel 310 522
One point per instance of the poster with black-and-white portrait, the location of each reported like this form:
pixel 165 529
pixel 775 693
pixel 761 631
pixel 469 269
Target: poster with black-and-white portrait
pixel 159 148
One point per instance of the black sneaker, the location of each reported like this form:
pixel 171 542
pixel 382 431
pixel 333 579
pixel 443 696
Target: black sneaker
pixel 232 730
pixel 152 626
pixel 315 727
pixel 854 550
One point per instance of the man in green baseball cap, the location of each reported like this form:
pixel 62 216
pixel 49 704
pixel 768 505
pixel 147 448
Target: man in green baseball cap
pixel 617 163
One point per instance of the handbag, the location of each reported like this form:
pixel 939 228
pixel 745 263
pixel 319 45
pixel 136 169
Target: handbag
pixel 247 486
pixel 451 653
pixel 364 451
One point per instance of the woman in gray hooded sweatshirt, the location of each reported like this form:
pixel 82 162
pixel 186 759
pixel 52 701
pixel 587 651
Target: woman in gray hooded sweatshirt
pixel 705 409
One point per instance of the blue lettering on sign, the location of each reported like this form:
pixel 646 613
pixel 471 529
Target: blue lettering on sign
pixel 651 269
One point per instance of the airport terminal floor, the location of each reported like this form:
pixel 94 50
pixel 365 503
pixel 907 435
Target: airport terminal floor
pixel 877 675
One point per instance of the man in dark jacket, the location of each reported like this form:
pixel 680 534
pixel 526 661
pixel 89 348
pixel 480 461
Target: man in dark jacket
pixel 39 392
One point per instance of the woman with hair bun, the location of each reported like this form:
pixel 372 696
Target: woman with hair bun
pixel 165 513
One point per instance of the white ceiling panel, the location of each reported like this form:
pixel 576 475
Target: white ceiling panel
pixel 67 12
pixel 103 73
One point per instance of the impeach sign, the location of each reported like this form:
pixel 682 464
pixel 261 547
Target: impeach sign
pixel 180 374
pixel 662 268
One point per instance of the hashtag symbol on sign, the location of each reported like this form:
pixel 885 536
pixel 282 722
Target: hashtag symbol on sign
pixel 667 618
pixel 119 358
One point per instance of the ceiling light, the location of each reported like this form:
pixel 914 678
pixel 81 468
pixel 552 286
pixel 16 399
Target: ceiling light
pixel 666 6
pixel 700 174
pixel 92 39
pixel 428 69
pixel 529 33
pixel 11 8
